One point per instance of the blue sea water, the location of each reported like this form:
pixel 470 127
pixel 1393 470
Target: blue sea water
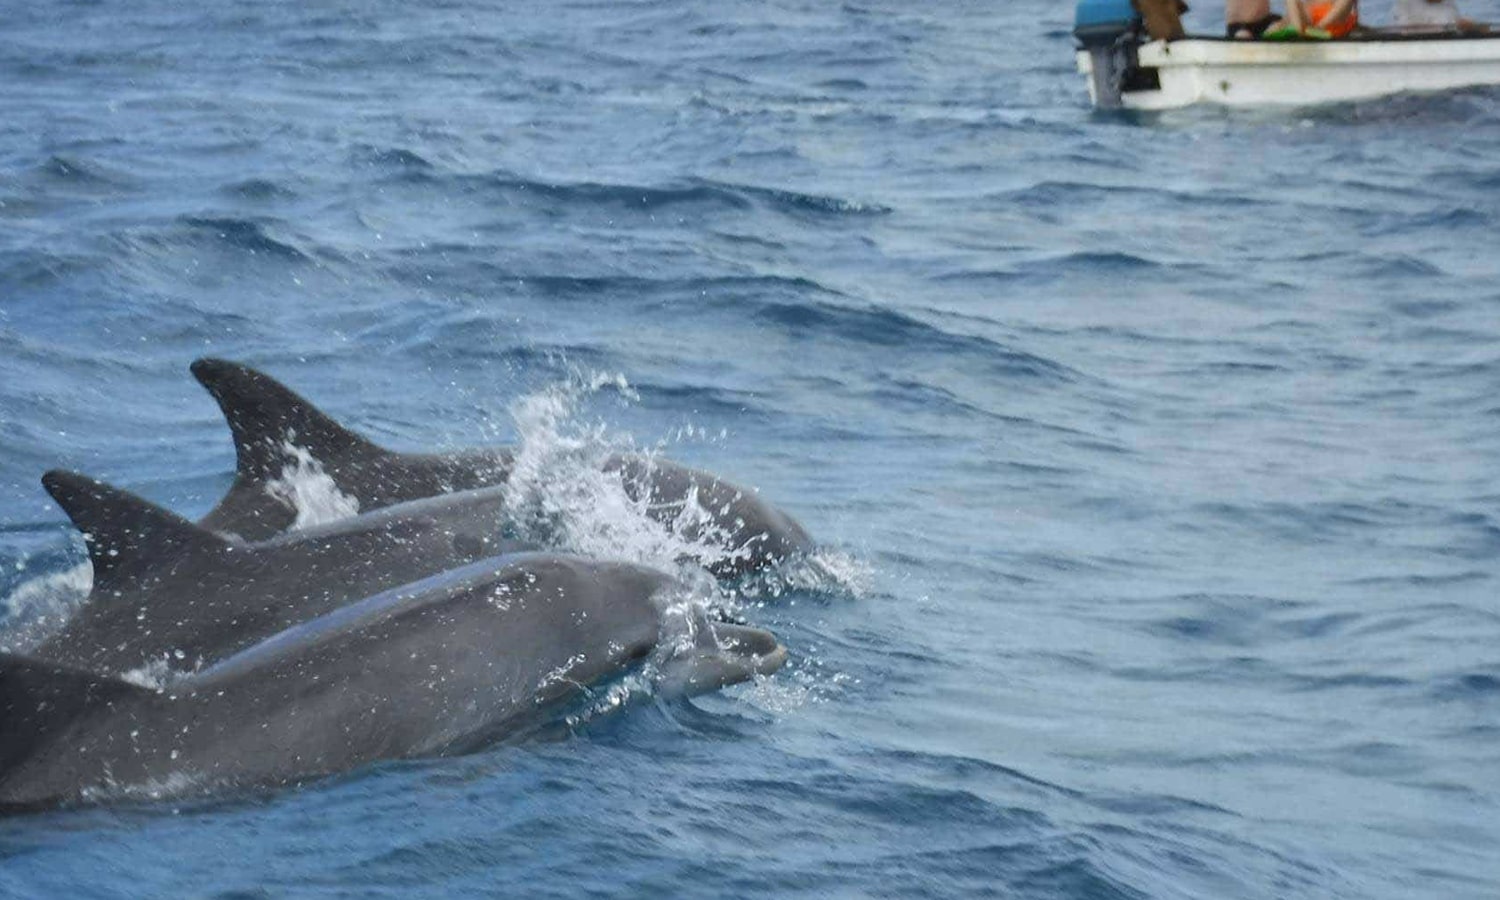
pixel 1156 455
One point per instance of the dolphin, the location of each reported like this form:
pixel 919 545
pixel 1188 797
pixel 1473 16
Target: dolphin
pixel 165 587
pixel 269 422
pixel 490 652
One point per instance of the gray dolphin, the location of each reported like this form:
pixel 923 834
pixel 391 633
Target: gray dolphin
pixel 163 585
pixel 485 653
pixel 267 418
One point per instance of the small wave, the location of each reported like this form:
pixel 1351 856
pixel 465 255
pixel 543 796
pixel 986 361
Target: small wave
pixel 785 201
pixel 1345 680
pixel 398 158
pixel 950 765
pixel 1375 269
pixel 889 328
pixel 1240 620
pixel 1109 263
pixel 446 345
pixel 36 268
pixel 259 190
pixel 1419 581
pixel 725 289
pixel 842 84
pixel 1078 878
pixel 64 170
pixel 1410 110
pixel 706 195
pixel 701 400
pixel 247 235
pixel 1473 686
pixel 1460 218
pixel 521 191
pixel 1050 195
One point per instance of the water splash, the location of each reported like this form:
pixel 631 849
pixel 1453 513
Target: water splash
pixel 154 675
pixel 565 492
pixel 567 489
pixel 309 491
pixel 40 606
pixel 783 694
pixel 173 786
pixel 807 680
pixel 825 571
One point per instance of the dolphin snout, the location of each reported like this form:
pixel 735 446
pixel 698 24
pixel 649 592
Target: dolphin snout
pixel 765 654
pixel 724 655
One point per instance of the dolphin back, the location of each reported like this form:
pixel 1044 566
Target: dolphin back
pixel 41 703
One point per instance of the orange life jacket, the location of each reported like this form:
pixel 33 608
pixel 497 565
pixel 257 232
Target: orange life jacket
pixel 1341 28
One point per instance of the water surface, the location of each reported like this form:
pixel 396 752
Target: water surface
pixel 1158 452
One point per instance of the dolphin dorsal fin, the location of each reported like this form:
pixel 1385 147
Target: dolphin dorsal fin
pixel 127 537
pixel 266 415
pixel 40 700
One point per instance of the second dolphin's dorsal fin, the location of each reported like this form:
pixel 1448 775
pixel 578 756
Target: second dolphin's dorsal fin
pixel 266 415
pixel 127 537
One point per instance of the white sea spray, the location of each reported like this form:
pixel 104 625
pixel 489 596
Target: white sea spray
pixel 306 489
pixel 564 491
pixel 39 606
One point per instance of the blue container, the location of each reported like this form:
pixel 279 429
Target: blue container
pixel 1102 21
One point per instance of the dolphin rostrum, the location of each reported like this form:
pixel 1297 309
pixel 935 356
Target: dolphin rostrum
pixel 164 586
pixel 269 422
pixel 482 654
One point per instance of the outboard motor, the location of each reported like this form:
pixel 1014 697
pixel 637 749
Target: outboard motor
pixel 1109 31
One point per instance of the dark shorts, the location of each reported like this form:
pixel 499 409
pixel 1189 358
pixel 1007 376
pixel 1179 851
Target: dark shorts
pixel 1256 28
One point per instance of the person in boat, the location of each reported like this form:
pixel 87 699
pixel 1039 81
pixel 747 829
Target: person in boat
pixel 1337 19
pixel 1249 19
pixel 1246 20
pixel 1435 14
pixel 1426 14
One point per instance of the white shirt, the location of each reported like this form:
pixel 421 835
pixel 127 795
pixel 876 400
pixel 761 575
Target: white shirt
pixel 1425 12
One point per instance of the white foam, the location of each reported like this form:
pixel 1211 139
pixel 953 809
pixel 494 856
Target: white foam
pixel 309 491
pixel 779 696
pixel 617 695
pixel 560 492
pixel 793 687
pixel 824 571
pixel 171 786
pixel 154 675
pixel 41 605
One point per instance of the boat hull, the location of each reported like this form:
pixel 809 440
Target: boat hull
pixel 1262 73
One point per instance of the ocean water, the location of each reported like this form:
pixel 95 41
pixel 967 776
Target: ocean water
pixel 1155 457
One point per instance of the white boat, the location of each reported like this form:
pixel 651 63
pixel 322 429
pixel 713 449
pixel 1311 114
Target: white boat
pixel 1125 70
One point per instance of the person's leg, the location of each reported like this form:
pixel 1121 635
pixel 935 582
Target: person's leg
pixel 1251 30
pixel 1296 15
